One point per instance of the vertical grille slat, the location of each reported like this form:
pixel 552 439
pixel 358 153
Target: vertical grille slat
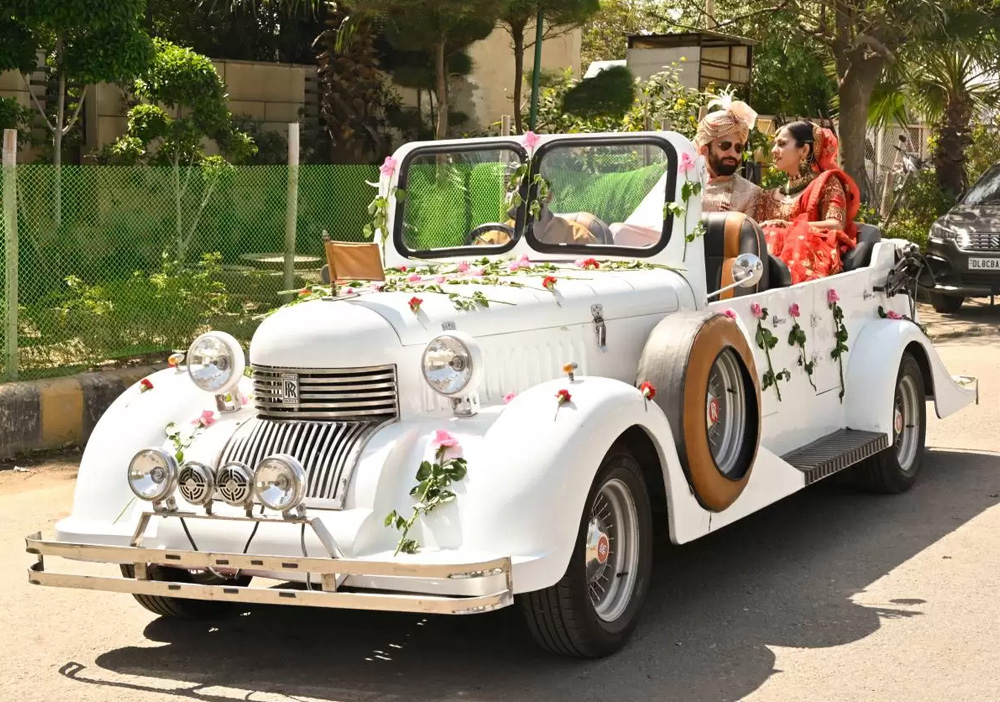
pixel 327 450
pixel 979 241
pixel 352 394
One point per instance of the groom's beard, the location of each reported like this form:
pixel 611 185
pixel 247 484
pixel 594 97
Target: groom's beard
pixel 723 166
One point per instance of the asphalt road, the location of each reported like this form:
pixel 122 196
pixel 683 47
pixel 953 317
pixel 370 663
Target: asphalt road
pixel 828 595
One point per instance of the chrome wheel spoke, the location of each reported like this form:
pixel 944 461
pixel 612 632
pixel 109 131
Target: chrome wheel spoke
pixel 612 550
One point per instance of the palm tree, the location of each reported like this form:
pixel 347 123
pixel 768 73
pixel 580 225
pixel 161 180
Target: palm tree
pixel 948 87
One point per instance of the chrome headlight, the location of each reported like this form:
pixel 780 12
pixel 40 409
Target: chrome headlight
pixel 453 364
pixel 939 231
pixel 152 475
pixel 196 483
pixel 235 484
pixel 216 362
pixel 280 482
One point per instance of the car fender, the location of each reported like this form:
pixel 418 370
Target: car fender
pixel 138 419
pixel 871 375
pixel 531 471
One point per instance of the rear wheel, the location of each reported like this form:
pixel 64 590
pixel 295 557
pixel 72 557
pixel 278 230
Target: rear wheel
pixel 946 303
pixel 179 607
pixel 895 469
pixel 593 609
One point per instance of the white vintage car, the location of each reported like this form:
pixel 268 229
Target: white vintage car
pixel 562 355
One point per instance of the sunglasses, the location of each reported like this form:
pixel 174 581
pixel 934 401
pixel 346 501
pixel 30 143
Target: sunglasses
pixel 727 145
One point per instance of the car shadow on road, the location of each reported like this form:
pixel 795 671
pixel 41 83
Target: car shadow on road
pixel 977 323
pixel 784 577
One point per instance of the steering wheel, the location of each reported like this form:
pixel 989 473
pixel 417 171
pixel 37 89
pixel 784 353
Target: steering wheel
pixel 471 237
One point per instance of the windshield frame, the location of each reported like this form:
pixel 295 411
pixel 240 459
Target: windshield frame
pixel 620 139
pixel 456 251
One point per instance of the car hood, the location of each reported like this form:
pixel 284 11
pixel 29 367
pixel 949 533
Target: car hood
pixel 979 218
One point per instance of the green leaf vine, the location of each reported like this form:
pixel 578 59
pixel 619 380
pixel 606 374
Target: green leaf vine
pixel 767 341
pixel 432 490
pixel 797 337
pixel 689 189
pixel 840 334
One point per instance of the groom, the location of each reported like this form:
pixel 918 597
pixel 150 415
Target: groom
pixel 722 135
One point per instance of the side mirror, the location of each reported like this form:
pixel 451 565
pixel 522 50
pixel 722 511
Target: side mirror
pixel 747 271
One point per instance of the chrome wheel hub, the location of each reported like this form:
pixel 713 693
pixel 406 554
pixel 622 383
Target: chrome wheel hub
pixel 905 420
pixel 725 412
pixel 612 550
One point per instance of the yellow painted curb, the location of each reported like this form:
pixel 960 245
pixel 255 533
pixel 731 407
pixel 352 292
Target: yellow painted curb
pixel 61 410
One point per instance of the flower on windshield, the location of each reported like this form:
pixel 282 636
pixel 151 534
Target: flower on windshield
pixel 589 263
pixel 388 167
pixel 687 163
pixel 463 267
pixel 415 278
pixel 530 140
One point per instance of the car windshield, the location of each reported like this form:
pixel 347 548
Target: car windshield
pixel 582 195
pixel 986 190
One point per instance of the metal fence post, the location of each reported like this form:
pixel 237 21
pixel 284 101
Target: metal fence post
pixel 10 251
pixel 292 208
pixel 505 125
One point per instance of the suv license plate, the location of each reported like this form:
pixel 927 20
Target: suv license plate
pixel 984 264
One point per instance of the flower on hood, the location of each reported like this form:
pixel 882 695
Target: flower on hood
pixel 647 390
pixel 304 291
pixel 563 396
pixel 588 263
pixel 443 439
pixel 415 278
pixel 893 314
pixel 509 397
pixel 145 385
pixel 415 303
pixel 463 267
pixel 549 282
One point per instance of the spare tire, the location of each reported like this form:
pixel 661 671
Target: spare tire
pixel 706 383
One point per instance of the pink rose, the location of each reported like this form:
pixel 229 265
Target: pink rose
pixel 414 278
pixel 756 310
pixel 524 261
pixel 513 267
pixel 530 140
pixel 445 439
pixel 439 279
pixel 478 272
pixel 206 419
pixel 388 167
pixel 508 397
pixel 377 286
pixel 687 163
pixel 731 314
pixel 892 314
pixel 832 297
pixel 794 310
pixel 463 267
pixel 349 291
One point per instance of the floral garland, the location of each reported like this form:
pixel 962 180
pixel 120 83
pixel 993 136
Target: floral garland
pixel 432 489
pixel 767 341
pixel 892 314
pixel 679 209
pixel 832 298
pixel 797 337
pixel 429 278
pixel 378 209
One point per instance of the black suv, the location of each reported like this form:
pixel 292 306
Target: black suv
pixel 964 246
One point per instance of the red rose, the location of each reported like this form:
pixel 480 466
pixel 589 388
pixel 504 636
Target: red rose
pixel 402 269
pixel 415 303
pixel 304 291
pixel 648 391
pixel 549 282
pixel 563 396
pixel 145 384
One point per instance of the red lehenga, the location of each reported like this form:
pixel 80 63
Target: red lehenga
pixel 811 253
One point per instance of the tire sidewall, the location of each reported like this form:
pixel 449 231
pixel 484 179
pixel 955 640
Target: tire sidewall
pixel 618 464
pixel 908 366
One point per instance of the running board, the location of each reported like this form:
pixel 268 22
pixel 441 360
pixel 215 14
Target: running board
pixel 835 452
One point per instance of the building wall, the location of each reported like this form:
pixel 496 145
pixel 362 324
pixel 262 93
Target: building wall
pixel 645 63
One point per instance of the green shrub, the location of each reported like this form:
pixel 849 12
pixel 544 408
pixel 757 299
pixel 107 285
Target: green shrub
pixel 923 202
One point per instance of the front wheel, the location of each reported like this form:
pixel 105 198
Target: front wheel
pixel 593 609
pixel 179 607
pixel 946 303
pixel 895 469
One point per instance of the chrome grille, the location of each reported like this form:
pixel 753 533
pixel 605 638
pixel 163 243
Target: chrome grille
pixel 360 394
pixel 979 241
pixel 327 450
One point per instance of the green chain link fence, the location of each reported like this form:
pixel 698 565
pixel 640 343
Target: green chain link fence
pixel 96 288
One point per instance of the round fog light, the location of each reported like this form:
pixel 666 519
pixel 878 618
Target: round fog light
pixel 280 482
pixel 196 483
pixel 152 475
pixel 235 484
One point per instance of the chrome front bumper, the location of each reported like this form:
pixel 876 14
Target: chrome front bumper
pixel 325 575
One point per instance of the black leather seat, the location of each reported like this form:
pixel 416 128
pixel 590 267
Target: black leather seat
pixel 781 277
pixel 727 235
pixel 861 255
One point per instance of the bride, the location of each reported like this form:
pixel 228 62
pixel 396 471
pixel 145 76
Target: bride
pixel 809 223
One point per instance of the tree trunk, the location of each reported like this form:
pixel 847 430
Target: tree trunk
pixel 855 90
pixel 517 33
pixel 952 141
pixel 442 90
pixel 57 138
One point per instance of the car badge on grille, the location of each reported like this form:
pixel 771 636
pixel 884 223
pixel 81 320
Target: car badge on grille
pixel 289 393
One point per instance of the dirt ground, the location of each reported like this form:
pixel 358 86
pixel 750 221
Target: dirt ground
pixel 828 595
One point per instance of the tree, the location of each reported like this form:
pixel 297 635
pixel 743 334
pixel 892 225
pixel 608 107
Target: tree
pixel 85 42
pixel 439 26
pixel 860 38
pixel 604 33
pixel 559 16
pixel 184 102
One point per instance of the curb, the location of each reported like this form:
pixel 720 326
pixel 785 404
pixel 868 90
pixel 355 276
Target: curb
pixel 40 415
